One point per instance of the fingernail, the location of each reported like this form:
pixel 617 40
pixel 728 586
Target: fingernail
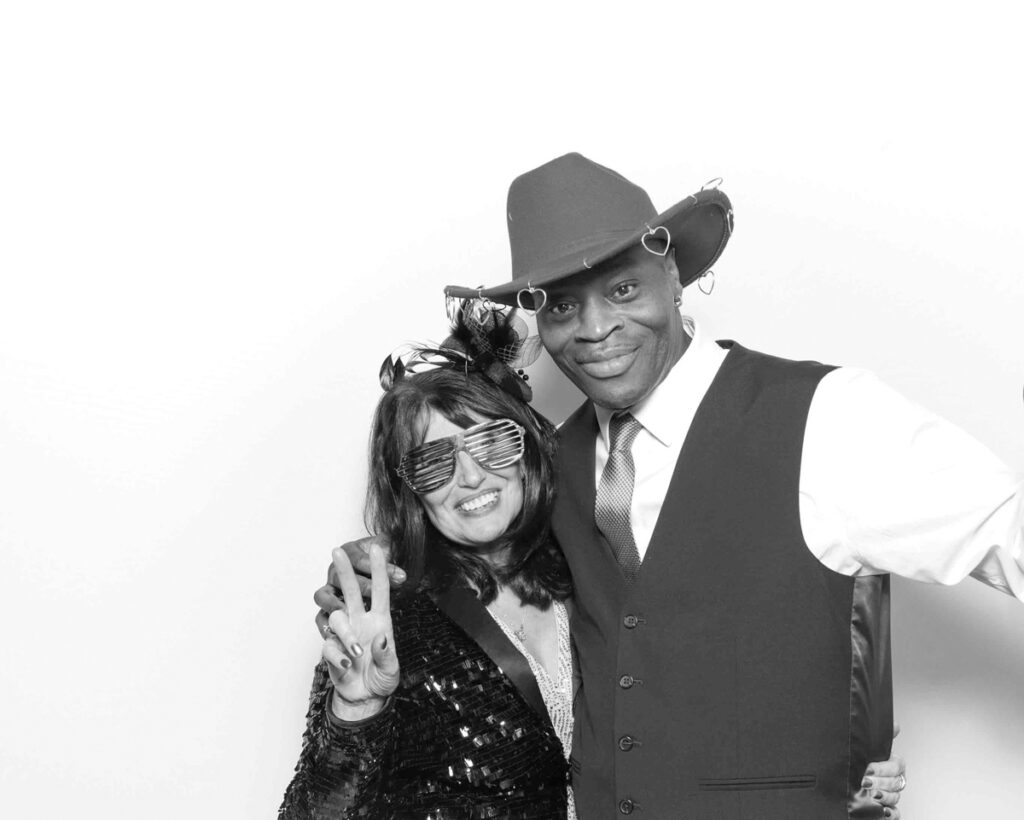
pixel 887 812
pixel 345 663
pixel 868 783
pixel 357 650
pixel 869 770
pixel 398 574
pixel 878 795
pixel 384 643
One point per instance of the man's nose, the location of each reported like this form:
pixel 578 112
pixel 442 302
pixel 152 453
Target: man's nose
pixel 597 320
pixel 469 473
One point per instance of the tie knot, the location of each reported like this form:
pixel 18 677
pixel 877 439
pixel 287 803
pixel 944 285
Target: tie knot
pixel 622 429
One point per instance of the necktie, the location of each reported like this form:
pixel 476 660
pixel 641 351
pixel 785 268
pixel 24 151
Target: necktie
pixel 615 494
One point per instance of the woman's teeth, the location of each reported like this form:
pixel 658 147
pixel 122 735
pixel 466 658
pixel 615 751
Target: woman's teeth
pixel 478 502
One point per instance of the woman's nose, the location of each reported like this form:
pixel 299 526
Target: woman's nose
pixel 469 473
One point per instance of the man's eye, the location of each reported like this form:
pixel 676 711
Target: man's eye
pixel 625 289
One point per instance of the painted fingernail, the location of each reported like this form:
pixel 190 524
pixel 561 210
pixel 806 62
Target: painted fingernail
pixel 344 663
pixel 869 770
pixel 878 795
pixel 398 574
pixel 357 650
pixel 887 812
pixel 384 643
pixel 868 783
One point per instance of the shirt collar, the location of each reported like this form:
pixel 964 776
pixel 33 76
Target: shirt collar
pixel 679 393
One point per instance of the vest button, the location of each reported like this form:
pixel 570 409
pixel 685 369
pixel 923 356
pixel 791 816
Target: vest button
pixel 626 681
pixel 626 806
pixel 626 743
pixel 630 621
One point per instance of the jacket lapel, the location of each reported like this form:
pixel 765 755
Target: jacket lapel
pixel 464 608
pixel 576 454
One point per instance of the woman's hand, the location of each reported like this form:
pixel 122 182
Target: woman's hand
pixel 885 781
pixel 359 647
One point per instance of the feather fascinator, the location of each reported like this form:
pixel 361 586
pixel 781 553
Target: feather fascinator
pixel 486 338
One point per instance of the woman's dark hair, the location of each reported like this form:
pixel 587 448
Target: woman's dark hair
pixel 535 568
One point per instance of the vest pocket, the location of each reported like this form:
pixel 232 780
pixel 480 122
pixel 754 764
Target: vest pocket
pixel 782 781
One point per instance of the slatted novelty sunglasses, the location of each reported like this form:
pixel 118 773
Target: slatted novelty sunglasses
pixel 492 445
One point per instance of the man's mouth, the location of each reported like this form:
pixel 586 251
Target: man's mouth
pixel 478 502
pixel 608 363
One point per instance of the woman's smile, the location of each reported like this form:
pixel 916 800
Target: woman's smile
pixel 478 503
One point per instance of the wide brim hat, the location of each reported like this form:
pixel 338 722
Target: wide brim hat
pixel 571 214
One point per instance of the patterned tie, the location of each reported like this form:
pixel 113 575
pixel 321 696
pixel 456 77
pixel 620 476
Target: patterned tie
pixel 615 494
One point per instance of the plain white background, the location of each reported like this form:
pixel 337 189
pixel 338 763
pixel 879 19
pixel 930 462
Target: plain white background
pixel 217 218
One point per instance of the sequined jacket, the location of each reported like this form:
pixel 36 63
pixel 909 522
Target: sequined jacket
pixel 466 735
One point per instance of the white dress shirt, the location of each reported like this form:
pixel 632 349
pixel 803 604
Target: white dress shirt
pixel 885 485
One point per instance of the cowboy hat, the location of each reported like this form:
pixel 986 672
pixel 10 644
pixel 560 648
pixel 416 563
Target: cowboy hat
pixel 571 214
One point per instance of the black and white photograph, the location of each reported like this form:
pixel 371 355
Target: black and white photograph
pixel 554 410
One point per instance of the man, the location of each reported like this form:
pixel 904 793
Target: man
pixel 729 519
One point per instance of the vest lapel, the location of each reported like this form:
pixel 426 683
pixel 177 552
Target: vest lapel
pixel 670 526
pixel 464 608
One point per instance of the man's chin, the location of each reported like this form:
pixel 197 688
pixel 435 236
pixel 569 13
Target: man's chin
pixel 617 393
pixel 611 397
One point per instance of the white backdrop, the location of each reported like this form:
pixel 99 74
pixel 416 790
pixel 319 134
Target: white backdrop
pixel 216 219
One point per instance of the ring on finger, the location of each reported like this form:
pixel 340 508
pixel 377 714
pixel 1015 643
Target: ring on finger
pixel 901 783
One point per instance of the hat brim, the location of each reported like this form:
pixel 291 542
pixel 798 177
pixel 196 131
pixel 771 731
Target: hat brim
pixel 699 226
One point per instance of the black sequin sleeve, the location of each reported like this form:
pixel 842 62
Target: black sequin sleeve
pixel 457 741
pixel 339 774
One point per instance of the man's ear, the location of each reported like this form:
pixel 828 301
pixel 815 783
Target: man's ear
pixel 672 269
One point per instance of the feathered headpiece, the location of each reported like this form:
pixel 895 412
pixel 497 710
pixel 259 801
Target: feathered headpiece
pixel 485 337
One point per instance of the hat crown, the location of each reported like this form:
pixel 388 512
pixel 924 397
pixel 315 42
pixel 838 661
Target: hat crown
pixel 567 205
pixel 571 214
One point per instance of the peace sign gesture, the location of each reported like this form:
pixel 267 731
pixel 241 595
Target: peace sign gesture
pixel 359 648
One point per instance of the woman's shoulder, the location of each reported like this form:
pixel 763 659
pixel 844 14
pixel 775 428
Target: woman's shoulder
pixel 428 642
pixel 415 617
pixel 436 627
pixel 410 604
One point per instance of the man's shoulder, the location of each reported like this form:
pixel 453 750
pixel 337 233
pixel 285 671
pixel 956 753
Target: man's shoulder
pixel 582 422
pixel 768 365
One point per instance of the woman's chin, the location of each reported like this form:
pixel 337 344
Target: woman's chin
pixel 482 532
pixel 481 538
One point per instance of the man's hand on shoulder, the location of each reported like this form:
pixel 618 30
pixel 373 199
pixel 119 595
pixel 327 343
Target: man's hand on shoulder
pixel 329 598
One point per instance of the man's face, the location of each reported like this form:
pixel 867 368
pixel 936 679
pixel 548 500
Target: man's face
pixel 615 331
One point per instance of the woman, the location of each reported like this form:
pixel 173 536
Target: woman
pixel 458 701
pixel 454 700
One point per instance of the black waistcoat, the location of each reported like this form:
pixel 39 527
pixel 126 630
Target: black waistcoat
pixel 738 677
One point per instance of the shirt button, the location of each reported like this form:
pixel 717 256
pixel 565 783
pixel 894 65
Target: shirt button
pixel 626 681
pixel 626 742
pixel 626 806
pixel 630 621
